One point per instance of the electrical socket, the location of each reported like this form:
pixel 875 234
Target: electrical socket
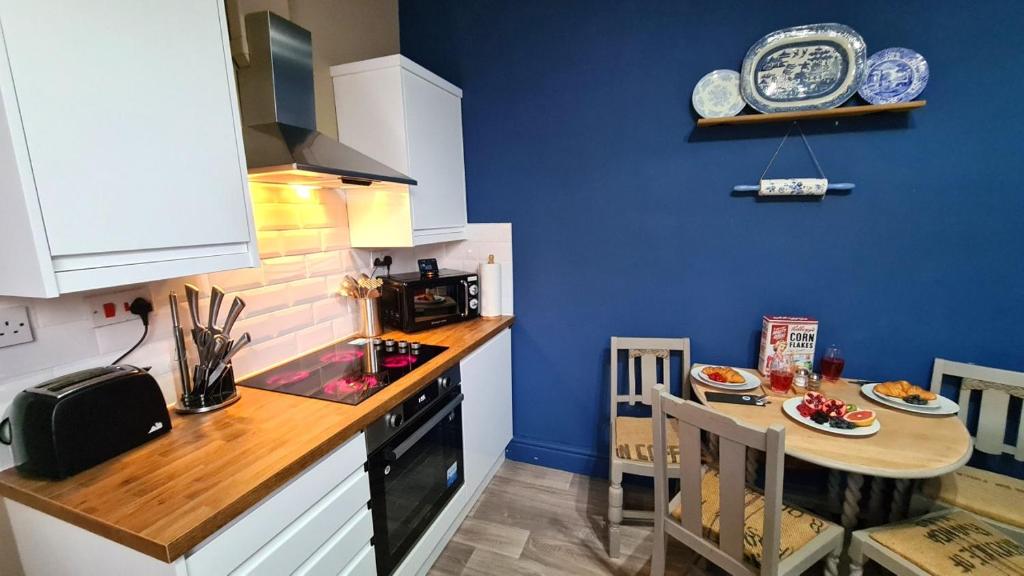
pixel 14 326
pixel 112 308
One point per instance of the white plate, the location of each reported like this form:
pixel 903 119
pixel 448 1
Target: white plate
pixel 942 406
pixel 750 381
pixel 789 407
pixel 717 94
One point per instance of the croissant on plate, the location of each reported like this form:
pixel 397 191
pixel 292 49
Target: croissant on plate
pixel 723 374
pixel 902 389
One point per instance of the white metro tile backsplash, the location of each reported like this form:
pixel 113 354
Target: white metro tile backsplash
pixel 291 305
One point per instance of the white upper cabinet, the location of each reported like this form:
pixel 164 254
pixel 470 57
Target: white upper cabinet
pixel 403 115
pixel 121 157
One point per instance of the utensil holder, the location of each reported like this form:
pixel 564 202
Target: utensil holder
pixel 220 393
pixel 369 317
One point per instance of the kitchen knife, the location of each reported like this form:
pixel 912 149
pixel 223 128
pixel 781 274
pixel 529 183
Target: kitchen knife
pixel 192 296
pixel 217 349
pixel 238 345
pixel 216 297
pixel 179 347
pixel 237 305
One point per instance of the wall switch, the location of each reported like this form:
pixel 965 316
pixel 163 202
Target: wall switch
pixel 14 326
pixel 112 308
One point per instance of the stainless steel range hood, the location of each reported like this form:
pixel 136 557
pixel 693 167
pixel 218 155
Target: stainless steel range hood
pixel 282 144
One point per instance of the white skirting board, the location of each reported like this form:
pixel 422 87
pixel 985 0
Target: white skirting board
pixel 423 555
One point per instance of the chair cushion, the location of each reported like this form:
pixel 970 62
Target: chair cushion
pixel 798 526
pixel 982 492
pixel 634 440
pixel 953 542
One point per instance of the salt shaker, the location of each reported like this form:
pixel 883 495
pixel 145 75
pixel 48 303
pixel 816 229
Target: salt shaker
pixel 800 377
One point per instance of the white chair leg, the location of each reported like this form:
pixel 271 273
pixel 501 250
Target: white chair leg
pixel 614 511
pixel 658 557
pixel 856 554
pixel 832 562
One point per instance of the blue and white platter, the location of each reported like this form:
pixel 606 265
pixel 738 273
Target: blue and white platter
pixel 717 94
pixel 894 75
pixel 809 67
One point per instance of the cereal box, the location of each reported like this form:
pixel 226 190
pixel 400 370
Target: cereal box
pixel 793 336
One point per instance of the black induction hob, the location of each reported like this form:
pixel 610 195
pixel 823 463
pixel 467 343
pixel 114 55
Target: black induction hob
pixel 342 372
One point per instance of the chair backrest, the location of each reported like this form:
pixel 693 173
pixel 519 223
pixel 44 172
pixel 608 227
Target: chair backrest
pixel 643 355
pixel 996 386
pixel 734 440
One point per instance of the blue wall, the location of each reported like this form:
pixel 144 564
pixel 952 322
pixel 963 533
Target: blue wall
pixel 578 130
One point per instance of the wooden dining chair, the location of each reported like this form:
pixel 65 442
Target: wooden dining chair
pixel 980 491
pixel 716 514
pixel 631 442
pixel 946 542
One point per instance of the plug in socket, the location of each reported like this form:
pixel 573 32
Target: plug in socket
pixel 14 326
pixel 112 308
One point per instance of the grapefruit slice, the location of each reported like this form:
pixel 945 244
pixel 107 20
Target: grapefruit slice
pixel 861 417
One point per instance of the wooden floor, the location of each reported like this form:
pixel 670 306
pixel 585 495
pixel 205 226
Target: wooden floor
pixel 538 521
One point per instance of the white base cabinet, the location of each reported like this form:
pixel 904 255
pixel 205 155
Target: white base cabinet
pixel 121 157
pixel 317 524
pixel 409 118
pixel 487 409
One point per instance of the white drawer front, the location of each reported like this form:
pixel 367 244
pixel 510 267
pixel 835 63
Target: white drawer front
pixel 229 548
pixel 364 565
pixel 293 545
pixel 344 546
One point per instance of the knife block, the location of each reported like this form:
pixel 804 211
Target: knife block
pixel 219 394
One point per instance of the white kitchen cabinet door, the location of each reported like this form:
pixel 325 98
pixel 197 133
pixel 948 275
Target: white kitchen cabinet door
pixel 403 115
pixel 122 121
pixel 433 121
pixel 487 408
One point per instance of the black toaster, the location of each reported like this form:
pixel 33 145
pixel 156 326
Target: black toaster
pixel 74 422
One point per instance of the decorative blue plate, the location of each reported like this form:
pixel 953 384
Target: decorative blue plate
pixel 894 75
pixel 807 67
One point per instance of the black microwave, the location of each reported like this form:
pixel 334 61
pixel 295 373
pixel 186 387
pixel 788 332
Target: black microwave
pixel 414 302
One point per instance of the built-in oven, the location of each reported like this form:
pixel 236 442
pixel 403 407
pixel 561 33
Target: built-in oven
pixel 415 466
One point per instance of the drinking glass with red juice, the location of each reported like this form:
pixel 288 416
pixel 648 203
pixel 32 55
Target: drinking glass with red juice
pixel 781 375
pixel 832 364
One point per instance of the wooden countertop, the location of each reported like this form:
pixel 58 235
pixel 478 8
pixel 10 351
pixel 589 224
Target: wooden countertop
pixel 908 445
pixel 167 496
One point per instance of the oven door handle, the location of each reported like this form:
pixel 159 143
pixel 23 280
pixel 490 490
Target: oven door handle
pixel 423 430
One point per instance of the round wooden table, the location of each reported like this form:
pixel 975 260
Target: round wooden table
pixel 908 446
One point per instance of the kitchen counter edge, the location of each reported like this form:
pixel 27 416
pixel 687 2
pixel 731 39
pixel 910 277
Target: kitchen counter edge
pixel 461 339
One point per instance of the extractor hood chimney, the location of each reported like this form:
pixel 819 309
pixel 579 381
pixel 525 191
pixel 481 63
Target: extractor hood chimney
pixel 282 144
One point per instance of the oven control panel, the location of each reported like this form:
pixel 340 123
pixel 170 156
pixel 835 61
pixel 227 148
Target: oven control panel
pixel 404 415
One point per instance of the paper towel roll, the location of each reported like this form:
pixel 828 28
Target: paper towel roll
pixel 490 288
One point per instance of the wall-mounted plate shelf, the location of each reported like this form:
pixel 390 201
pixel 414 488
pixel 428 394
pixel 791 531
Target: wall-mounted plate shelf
pixel 840 112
